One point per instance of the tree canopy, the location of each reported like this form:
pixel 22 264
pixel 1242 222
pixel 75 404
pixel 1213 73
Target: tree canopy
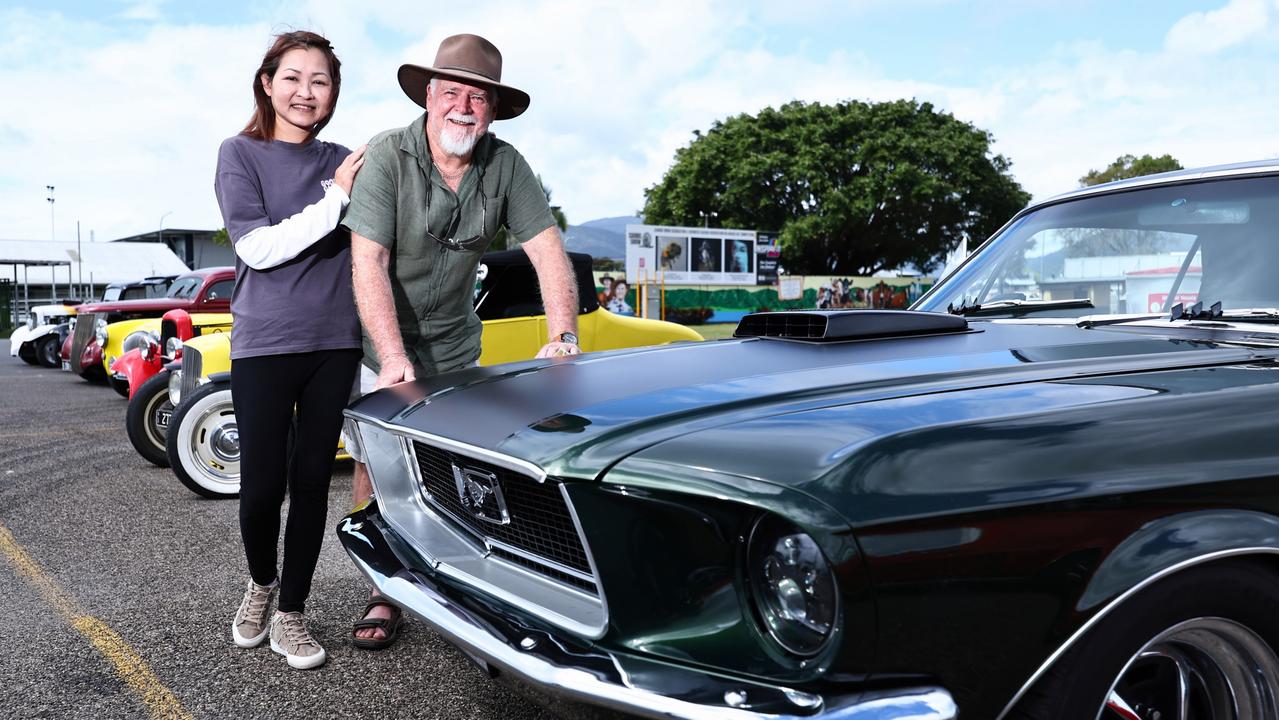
pixel 853 188
pixel 1129 166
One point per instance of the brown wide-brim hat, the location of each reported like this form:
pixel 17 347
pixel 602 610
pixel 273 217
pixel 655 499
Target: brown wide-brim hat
pixel 469 59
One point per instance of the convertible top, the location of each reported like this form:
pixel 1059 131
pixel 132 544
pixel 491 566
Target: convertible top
pixel 519 288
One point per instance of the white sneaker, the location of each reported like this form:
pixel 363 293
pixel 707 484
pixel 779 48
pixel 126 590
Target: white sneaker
pixel 290 638
pixel 250 626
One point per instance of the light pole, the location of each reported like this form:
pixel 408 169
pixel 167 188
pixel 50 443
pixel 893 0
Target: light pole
pixel 52 235
pixel 159 234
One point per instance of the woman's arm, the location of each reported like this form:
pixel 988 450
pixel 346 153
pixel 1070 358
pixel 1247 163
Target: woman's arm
pixel 267 247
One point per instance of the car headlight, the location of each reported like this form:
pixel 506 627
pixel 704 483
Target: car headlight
pixel 793 587
pixel 100 331
pixel 175 387
pixel 138 340
pixel 31 322
pixel 172 346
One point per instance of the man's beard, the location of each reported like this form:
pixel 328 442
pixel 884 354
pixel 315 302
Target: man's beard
pixel 455 140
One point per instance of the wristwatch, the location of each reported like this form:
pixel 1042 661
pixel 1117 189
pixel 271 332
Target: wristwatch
pixel 568 337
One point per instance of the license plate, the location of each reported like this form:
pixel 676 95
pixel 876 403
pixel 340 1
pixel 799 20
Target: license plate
pixel 66 365
pixel 162 418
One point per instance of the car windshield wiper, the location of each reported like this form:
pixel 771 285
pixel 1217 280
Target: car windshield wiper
pixel 1016 307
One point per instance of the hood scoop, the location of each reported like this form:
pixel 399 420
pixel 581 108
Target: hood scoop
pixel 836 325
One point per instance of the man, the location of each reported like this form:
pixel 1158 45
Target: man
pixel 429 199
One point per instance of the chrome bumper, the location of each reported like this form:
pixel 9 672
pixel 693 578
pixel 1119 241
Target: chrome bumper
pixel 501 643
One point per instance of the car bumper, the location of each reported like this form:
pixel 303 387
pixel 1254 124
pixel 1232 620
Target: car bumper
pixel 502 644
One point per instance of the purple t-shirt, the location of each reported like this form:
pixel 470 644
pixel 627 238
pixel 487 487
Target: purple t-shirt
pixel 305 304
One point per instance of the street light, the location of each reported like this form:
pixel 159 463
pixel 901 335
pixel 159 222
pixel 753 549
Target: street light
pixel 52 235
pixel 159 234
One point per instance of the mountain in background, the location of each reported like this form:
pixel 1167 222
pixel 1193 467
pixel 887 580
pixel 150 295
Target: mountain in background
pixel 603 238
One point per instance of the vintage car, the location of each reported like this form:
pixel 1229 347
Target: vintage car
pixel 203 440
pixel 1049 490
pixel 203 290
pixel 145 370
pixel 39 339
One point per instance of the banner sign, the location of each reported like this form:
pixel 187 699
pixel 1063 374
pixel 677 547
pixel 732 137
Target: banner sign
pixel 691 255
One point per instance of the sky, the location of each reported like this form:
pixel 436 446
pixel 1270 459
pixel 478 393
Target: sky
pixel 120 105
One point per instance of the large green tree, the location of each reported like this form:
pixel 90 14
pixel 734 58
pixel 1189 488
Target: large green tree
pixel 854 187
pixel 1130 166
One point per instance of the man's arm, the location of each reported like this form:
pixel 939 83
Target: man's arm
pixel 559 289
pixel 370 267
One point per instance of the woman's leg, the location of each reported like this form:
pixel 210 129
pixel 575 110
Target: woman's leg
pixel 324 393
pixel 264 390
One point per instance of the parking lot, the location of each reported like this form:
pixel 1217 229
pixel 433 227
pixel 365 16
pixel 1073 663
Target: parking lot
pixel 118 587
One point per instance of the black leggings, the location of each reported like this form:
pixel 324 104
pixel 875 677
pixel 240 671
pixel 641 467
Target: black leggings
pixel 265 391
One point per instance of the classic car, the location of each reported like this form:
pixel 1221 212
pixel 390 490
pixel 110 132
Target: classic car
pixel 203 290
pixel 1048 490
pixel 145 370
pixel 39 339
pixel 203 440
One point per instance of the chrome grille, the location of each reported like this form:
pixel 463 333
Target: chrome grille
pixel 85 325
pixel 192 367
pixel 541 534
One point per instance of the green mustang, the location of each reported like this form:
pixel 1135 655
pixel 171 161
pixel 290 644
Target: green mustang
pixel 1046 491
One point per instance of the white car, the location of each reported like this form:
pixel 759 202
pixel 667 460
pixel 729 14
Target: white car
pixel 39 340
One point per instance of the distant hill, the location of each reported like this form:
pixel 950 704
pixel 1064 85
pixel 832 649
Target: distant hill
pixel 603 238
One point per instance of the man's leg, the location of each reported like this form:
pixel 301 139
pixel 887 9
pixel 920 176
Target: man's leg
pixel 361 490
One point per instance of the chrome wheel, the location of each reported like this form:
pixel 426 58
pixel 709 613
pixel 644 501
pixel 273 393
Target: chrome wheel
pixel 1206 668
pixel 204 442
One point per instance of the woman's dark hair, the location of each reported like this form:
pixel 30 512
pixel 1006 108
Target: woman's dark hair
pixel 262 124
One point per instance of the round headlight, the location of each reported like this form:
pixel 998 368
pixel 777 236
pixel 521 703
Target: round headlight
pixel 31 322
pixel 793 587
pixel 100 332
pixel 138 340
pixel 172 345
pixel 175 387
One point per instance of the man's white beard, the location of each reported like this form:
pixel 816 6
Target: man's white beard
pixel 455 140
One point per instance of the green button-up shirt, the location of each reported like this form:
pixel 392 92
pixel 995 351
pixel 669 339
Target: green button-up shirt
pixel 399 197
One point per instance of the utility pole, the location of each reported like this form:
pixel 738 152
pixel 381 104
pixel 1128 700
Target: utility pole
pixel 159 234
pixel 52 234
pixel 79 260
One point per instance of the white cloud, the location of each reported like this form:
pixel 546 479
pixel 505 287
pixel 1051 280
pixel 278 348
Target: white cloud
pixel 127 124
pixel 1209 32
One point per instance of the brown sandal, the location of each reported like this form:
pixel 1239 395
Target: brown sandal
pixel 390 626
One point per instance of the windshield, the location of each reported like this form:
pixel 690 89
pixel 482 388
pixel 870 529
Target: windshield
pixel 184 288
pixel 1138 252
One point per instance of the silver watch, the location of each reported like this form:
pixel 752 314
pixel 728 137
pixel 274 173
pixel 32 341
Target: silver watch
pixel 568 337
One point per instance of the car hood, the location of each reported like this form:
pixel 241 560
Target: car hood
pixel 577 416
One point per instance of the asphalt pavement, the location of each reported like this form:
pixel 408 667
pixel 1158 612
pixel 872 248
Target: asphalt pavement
pixel 118 585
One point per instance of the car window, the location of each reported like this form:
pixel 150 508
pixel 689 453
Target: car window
pixel 134 292
pixel 111 294
pixel 1140 251
pixel 220 290
pixel 184 288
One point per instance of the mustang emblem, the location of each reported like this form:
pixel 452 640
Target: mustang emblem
pixel 481 495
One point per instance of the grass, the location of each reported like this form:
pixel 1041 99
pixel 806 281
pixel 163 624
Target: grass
pixel 715 331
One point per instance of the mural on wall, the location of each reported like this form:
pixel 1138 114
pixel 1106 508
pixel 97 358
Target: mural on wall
pixel 615 294
pixel 844 293
pixel 698 304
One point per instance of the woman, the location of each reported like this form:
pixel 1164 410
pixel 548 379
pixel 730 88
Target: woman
pixel 296 338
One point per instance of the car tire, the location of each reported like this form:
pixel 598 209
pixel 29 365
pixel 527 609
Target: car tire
pixel 121 387
pixel 142 421
pixel 27 352
pixel 1217 622
pixel 48 351
pixel 203 444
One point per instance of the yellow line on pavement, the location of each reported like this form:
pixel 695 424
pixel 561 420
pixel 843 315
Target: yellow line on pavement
pixel 128 664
